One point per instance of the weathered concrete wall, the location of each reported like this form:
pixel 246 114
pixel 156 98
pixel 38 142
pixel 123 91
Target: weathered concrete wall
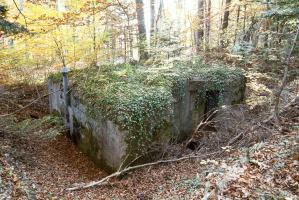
pixel 189 109
pixel 56 100
pixel 105 143
pixel 101 139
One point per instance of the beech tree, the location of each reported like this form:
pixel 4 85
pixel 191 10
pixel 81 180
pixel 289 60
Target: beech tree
pixel 225 22
pixel 200 30
pixel 153 16
pixel 143 54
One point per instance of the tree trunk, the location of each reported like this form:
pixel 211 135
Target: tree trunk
pixel 130 38
pixel 113 46
pixel 204 26
pixel 208 23
pixel 267 27
pixel 225 21
pixel 143 55
pixel 226 15
pixel 237 23
pixel 152 20
pixel 94 37
pixel 199 32
pixel 220 20
pixel 244 19
pixel 250 30
pixel 125 43
pixel 74 45
pixel 157 20
pixel 284 80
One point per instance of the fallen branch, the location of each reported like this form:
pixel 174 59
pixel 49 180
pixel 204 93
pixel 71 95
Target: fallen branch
pixel 105 180
pixel 241 134
pixel 206 121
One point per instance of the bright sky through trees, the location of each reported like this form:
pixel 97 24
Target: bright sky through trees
pixel 189 6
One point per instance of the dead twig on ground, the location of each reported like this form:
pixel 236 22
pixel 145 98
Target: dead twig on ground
pixel 106 179
pixel 206 121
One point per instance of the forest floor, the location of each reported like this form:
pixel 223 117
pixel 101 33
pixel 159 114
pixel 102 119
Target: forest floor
pixel 38 161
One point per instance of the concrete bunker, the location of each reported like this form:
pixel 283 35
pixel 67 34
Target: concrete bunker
pixel 117 113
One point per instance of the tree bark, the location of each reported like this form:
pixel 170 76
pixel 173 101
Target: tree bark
pixel 127 33
pixel 225 21
pixel 237 23
pixel 199 32
pixel 159 15
pixel 152 18
pixel 226 15
pixel 208 23
pixel 125 43
pixel 94 36
pixel 143 55
pixel 204 26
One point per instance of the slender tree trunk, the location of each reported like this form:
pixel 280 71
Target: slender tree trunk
pixel 224 26
pixel 205 26
pixel 125 43
pixel 244 19
pixel 237 23
pixel 226 15
pixel 199 31
pixel 113 45
pixel 250 30
pixel 95 55
pixel 284 80
pixel 130 38
pixel 143 55
pixel 74 46
pixel 157 20
pixel 152 31
pixel 208 23
pixel 220 22
pixel 267 27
